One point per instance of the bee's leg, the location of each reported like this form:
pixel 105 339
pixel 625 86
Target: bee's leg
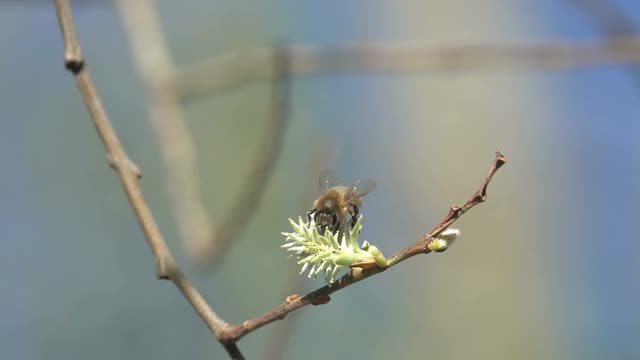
pixel 309 213
pixel 353 210
pixel 336 224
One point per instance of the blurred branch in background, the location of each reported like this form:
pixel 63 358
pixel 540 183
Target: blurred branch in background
pixel 167 87
pixel 610 21
pixel 166 267
pixel 241 67
pixel 204 243
pixel 153 62
pixel 246 202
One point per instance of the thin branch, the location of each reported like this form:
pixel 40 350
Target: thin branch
pixel 129 174
pixel 250 195
pixel 238 68
pixel 233 333
pixel 455 212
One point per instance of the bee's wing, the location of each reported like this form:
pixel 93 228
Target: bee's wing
pixel 326 180
pixel 360 188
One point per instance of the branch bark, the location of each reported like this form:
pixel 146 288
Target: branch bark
pixel 129 175
pixel 232 333
pixel 238 68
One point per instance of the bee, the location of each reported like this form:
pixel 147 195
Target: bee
pixel 336 205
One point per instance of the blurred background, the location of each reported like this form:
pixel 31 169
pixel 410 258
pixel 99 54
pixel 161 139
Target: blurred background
pixel 546 268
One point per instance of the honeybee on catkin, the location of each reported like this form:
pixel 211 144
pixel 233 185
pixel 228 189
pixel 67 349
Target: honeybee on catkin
pixel 338 205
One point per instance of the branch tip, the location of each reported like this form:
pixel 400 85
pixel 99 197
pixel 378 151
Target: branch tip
pixel 500 160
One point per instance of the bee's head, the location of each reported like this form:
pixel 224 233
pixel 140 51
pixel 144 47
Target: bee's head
pixel 326 220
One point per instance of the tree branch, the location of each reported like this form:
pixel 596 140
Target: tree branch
pixel 129 174
pixel 233 333
pixel 455 212
pixel 241 67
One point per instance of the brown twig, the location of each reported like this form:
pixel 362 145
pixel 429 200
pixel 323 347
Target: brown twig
pixel 233 333
pixel 246 203
pixel 455 212
pixel 241 67
pixel 129 174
